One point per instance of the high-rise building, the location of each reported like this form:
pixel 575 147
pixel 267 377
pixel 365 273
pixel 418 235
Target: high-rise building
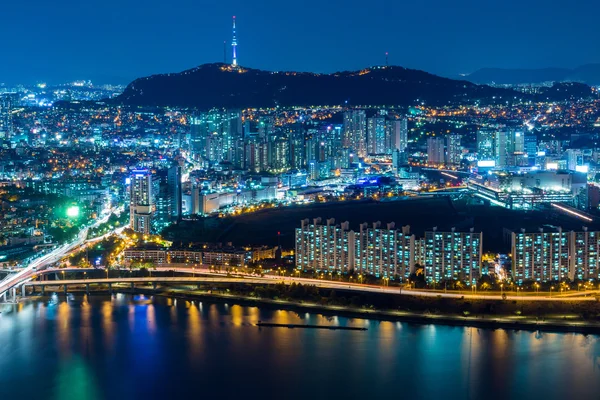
pixel 531 149
pixel 7 102
pixel 452 255
pixel 383 252
pixel 161 217
pixel 504 148
pixel 510 148
pixel 376 135
pixel 574 158
pixel 256 155
pixel 174 193
pixel 552 255
pixel 325 247
pixel 214 135
pixel 397 132
pixel 454 150
pixel 399 158
pixel 541 256
pixel 279 154
pixel 435 151
pixel 297 146
pixel 355 131
pixel 584 252
pixel 486 145
pixel 141 201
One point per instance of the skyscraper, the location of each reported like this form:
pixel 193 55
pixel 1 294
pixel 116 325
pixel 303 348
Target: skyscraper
pixel 7 103
pixel 376 135
pixel 397 132
pixel 486 145
pixel 141 201
pixel 174 192
pixel 574 158
pixel 355 131
pixel 454 149
pixel 510 148
pixel 297 146
pixel 197 137
pixel 435 150
pixel 213 135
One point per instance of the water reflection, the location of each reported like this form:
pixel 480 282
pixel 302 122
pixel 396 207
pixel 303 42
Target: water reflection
pixel 170 349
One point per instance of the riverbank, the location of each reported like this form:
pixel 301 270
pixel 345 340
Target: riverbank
pixel 511 322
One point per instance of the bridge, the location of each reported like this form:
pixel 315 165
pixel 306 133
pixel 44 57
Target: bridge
pixel 133 281
pixel 272 280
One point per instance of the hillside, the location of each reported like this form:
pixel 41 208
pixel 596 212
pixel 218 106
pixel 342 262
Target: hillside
pixel 217 85
pixel 588 74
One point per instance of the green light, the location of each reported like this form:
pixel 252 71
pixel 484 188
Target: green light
pixel 73 212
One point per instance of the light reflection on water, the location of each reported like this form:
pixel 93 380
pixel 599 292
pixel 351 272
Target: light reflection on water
pixel 169 348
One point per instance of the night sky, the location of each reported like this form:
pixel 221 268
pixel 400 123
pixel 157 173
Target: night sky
pixel 109 39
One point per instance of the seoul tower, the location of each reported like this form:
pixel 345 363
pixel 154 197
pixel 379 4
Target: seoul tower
pixel 234 45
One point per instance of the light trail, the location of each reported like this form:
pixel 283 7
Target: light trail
pixel 575 213
pixel 450 175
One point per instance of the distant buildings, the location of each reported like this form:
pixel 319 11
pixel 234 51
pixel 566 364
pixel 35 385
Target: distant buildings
pixel 506 148
pixel 528 189
pixel 215 136
pixel 454 149
pixel 376 135
pixel 355 131
pixel 398 134
pixel 7 102
pixel 486 145
pixel 436 154
pixel 218 255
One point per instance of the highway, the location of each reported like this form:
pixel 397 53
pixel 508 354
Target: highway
pixel 54 256
pixel 214 277
pixel 393 289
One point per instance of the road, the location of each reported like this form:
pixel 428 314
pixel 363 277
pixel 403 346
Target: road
pixel 54 256
pixel 393 289
pixel 272 279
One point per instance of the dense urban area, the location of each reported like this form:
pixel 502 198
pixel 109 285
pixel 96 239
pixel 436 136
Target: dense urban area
pixel 499 190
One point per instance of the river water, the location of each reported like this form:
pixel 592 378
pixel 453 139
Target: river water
pixel 128 347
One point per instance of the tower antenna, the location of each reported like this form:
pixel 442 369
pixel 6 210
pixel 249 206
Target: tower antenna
pixel 386 59
pixel 224 51
pixel 234 46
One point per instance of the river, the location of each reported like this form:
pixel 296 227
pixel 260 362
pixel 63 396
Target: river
pixel 128 347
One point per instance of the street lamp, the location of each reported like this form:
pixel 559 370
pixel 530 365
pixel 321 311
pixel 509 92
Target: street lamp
pixel 551 289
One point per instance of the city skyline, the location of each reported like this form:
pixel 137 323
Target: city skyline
pixel 231 212
pixel 141 40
